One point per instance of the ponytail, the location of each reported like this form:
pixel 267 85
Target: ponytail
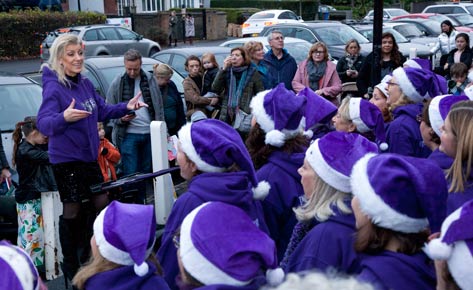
pixel 25 127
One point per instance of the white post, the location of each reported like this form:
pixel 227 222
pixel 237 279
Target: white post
pixel 164 194
pixel 412 52
pixel 51 207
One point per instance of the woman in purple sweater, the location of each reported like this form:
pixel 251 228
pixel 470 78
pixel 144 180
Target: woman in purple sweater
pixel 68 115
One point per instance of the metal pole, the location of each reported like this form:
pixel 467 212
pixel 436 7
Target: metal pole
pixel 377 34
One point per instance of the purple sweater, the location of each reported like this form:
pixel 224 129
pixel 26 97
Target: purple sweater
pixel 442 160
pixel 456 199
pixel 73 141
pixel 232 188
pixel 395 271
pixel 125 278
pixel 328 245
pixel 286 189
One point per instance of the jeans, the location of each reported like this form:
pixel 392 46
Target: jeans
pixel 136 158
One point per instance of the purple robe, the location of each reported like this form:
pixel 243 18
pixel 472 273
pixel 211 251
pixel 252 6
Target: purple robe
pixel 232 188
pixel 396 271
pixel 442 160
pixel 285 193
pixel 403 133
pixel 329 244
pixel 125 278
pixel 456 199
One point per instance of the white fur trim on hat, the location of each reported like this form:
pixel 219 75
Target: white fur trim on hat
pixel 460 265
pixel 406 86
pixel 257 109
pixel 412 63
pixel 437 249
pixel 334 178
pixel 187 146
pixel 275 138
pixel 435 118
pixel 354 110
pixel 20 265
pixel 261 190
pixel 195 263
pixel 109 251
pixel 375 208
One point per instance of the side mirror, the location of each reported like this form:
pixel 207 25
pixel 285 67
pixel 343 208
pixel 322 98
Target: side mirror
pixel 139 37
pixel 299 17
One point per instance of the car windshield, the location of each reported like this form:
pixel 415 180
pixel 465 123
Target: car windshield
pixel 469 8
pixel 465 19
pixel 397 12
pixel 368 33
pixel 338 35
pixel 261 16
pixel 408 31
pixel 433 24
pixel 298 50
pixel 18 101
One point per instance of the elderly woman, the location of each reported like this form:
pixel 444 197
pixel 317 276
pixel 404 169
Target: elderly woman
pixel 349 65
pixel 256 53
pixel 318 73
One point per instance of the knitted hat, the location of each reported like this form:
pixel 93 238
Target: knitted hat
pixel 17 270
pixel 215 146
pixel 125 234
pixel 367 117
pixel 456 245
pixel 317 110
pixel 439 108
pixel 401 193
pixel 220 244
pixel 416 84
pixel 419 63
pixel 279 113
pixel 332 157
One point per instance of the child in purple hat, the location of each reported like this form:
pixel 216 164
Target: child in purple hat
pixel 453 250
pixel 380 98
pixel 277 145
pixel 324 236
pixel 122 250
pixel 218 167
pixel 17 270
pixel 397 200
pixel 456 142
pixel 220 247
pixel 407 90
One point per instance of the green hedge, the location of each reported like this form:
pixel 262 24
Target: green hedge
pixel 23 31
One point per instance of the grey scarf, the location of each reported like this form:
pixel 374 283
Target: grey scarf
pixel 315 73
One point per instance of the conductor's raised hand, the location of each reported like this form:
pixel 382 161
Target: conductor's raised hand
pixel 135 103
pixel 73 115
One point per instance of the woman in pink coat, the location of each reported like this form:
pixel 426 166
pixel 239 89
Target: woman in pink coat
pixel 318 73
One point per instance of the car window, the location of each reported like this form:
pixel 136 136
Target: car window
pixel 338 35
pixel 17 102
pixel 263 15
pixel 288 15
pixel 234 44
pixel 385 15
pixel 298 50
pixel 458 10
pixel 470 9
pixel 397 36
pixel 432 25
pixel 91 35
pixel 305 34
pixel 397 12
pixel 220 57
pixel 126 34
pixel 408 31
pixel 109 33
pixel 93 78
pixel 178 62
pixel 465 19
pixel 163 57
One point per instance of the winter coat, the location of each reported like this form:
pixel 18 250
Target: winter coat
pixel 108 161
pixel 441 159
pixel 445 43
pixel 193 97
pixel 466 57
pixel 330 83
pixel 173 20
pixel 342 67
pixel 279 70
pixel 190 28
pixel 173 106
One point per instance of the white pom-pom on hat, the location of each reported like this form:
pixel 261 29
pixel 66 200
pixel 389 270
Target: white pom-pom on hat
pixel 261 190
pixel 275 138
pixel 141 270
pixel 437 250
pixel 274 277
pixel 383 146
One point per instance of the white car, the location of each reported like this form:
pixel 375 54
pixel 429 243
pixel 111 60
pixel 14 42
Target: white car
pixel 257 21
pixel 297 48
pixel 388 14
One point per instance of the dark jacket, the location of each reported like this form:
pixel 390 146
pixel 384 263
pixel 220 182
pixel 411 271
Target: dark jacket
pixel 34 171
pixel 280 70
pixel 367 80
pixel 172 109
pixel 466 57
pixel 208 79
pixel 342 67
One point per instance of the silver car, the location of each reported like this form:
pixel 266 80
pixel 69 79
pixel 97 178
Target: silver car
pixel 103 40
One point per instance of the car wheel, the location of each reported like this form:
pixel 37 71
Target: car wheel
pixel 153 51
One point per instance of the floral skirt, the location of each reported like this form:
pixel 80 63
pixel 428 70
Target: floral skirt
pixel 31 230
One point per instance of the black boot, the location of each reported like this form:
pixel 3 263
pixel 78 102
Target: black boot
pixel 68 229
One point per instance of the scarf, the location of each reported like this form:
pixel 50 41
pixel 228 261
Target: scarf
pixel 128 89
pixel 315 72
pixel 235 90
pixel 350 59
pixel 300 231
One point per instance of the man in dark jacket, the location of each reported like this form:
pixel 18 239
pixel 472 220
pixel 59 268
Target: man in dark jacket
pixel 280 64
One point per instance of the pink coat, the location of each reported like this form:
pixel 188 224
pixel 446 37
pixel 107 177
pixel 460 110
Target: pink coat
pixel 331 83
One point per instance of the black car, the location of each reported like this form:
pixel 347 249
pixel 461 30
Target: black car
pixel 176 57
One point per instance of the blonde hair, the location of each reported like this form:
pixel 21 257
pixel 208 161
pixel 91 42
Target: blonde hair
pixel 320 281
pixel 319 204
pixel 211 58
pixel 314 47
pixel 57 52
pixel 461 121
pixel 344 109
pixel 252 46
pixel 402 101
pixel 162 70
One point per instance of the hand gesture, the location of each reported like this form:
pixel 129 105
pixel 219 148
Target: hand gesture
pixel 6 175
pixel 213 101
pixel 135 103
pixel 227 62
pixel 73 115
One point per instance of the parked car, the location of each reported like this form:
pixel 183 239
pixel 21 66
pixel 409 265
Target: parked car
pixel 298 48
pixel 176 57
pixel 19 97
pixel 450 8
pixel 334 34
pixel 103 40
pixel 416 31
pixel 463 18
pixel 430 22
pixel 259 20
pixel 388 14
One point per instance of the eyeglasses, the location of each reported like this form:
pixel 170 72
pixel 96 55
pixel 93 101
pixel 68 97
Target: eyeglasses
pixel 278 38
pixel 319 52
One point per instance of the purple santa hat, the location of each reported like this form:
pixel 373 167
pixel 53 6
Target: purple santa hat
pixel 455 245
pixel 367 117
pixel 220 244
pixel 404 194
pixel 419 63
pixel 332 157
pixel 17 270
pixel 215 146
pixel 279 113
pixel 439 108
pixel 317 110
pixel 125 234
pixel 417 84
